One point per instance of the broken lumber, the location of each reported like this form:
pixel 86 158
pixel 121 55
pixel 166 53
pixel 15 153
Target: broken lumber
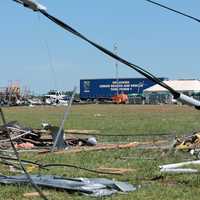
pixel 34 194
pixel 119 171
pixel 99 147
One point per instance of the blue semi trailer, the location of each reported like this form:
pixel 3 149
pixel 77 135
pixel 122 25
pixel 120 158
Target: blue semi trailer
pixel 104 89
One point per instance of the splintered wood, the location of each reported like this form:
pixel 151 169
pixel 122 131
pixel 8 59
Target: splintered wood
pixel 104 147
pixel 99 147
pixel 34 194
pixel 81 131
pixel 119 171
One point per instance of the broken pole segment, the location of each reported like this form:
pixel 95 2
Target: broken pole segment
pixel 66 114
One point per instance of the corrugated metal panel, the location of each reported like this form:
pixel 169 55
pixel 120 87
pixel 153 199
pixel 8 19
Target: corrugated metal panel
pixel 106 88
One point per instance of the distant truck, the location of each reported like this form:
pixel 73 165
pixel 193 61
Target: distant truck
pixel 56 97
pixel 105 89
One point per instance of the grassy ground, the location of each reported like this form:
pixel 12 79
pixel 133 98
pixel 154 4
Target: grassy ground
pixel 116 119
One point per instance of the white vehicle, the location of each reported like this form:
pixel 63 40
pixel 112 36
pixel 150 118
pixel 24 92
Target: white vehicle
pixel 56 97
pixel 35 101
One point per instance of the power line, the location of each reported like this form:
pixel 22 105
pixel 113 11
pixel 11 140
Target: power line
pixel 137 68
pixel 173 10
pixel 40 8
pixel 177 95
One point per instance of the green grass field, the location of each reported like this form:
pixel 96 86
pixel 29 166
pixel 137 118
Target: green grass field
pixel 115 119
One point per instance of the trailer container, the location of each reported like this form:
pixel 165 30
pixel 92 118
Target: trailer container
pixel 105 89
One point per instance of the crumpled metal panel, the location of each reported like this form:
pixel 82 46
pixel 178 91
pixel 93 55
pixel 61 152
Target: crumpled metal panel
pixel 97 187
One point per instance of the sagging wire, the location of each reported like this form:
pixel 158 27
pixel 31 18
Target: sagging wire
pixel 173 10
pixel 46 166
pixel 111 54
pixel 31 4
pixel 177 95
pixel 81 168
pixel 19 159
pixel 4 162
pixel 22 160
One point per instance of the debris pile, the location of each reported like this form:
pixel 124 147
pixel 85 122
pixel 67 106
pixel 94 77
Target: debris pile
pixel 19 135
pixel 189 143
pixel 43 140
pixel 27 138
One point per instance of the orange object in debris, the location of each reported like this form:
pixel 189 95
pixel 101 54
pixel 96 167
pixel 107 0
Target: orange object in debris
pixel 120 99
pixel 26 145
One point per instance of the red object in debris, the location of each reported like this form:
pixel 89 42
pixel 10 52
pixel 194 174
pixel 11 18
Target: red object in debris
pixel 26 145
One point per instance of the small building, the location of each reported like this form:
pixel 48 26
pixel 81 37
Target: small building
pixel 157 94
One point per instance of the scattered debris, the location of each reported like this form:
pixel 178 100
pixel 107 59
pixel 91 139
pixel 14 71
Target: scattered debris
pixel 115 170
pixel 189 143
pixel 98 147
pixel 34 194
pixel 78 131
pixel 78 147
pixel 26 145
pixel 179 170
pixel 14 170
pixel 91 141
pixel 137 158
pixel 176 168
pixel 98 115
pixel 177 165
pixel 96 187
pixel 18 133
pixel 60 143
pixel 28 138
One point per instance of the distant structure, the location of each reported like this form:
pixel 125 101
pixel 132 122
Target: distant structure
pixel 12 94
pixel 157 94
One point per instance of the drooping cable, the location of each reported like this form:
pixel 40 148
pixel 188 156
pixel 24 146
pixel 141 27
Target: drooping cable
pixel 173 10
pixel 37 7
pixel 78 167
pixel 22 160
pixel 33 5
pixel 46 166
pixel 111 54
pixel 177 95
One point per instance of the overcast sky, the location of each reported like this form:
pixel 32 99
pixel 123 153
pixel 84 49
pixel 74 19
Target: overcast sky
pixel 166 44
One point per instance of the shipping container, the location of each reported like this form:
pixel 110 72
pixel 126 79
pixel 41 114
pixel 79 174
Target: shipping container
pixel 104 89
